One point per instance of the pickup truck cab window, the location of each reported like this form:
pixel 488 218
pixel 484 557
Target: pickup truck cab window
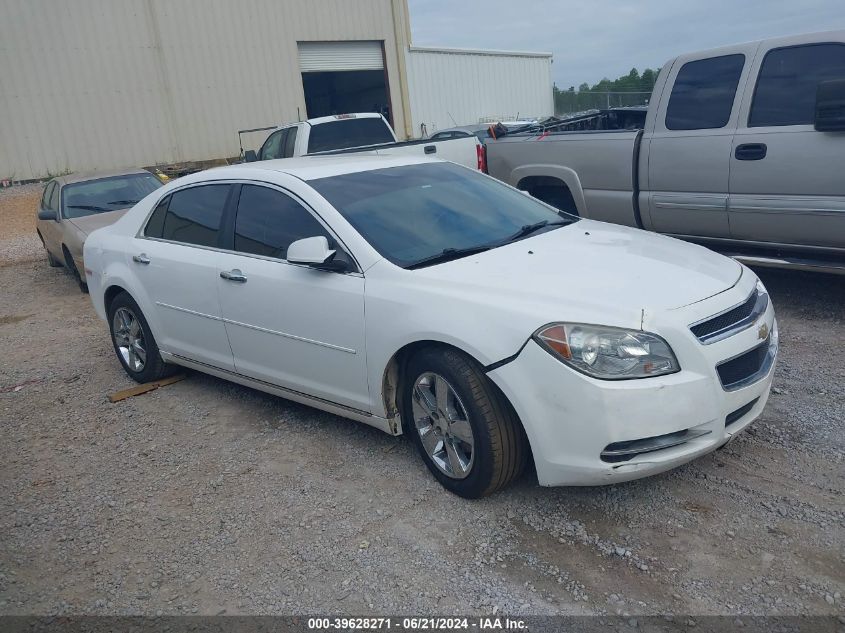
pixel 190 216
pixel 268 221
pixel 272 147
pixel 786 87
pixel 346 133
pixel 289 143
pixel 704 91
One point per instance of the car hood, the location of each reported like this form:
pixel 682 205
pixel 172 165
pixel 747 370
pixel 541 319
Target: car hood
pixel 594 266
pixel 95 221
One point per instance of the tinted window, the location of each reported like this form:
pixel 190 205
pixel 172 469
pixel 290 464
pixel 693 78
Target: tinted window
pixel 414 212
pixel 155 225
pixel 268 221
pixel 786 88
pixel 272 147
pixel 193 215
pixel 106 194
pixel 290 142
pixel 703 95
pixel 345 133
pixel 48 191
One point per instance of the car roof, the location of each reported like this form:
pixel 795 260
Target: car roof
pixel 307 167
pixel 84 176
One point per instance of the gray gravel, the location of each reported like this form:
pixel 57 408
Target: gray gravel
pixel 206 497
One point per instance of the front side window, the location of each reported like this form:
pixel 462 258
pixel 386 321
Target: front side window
pixel 412 213
pixel 703 95
pixel 193 215
pixel 268 221
pixel 272 147
pixel 789 77
pixel 48 191
pixel 106 194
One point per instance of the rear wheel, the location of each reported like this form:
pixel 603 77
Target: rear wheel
pixel 465 431
pixel 133 341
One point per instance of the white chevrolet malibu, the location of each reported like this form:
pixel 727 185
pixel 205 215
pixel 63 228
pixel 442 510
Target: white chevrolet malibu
pixel 425 298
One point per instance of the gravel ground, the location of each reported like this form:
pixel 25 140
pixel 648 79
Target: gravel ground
pixel 206 497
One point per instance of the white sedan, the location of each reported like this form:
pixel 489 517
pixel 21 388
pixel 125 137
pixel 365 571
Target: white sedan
pixel 425 298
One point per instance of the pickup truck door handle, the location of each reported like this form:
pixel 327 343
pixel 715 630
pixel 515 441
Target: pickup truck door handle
pixel 750 151
pixel 233 275
pixel 430 149
pixel 141 259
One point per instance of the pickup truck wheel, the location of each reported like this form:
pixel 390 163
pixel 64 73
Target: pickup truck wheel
pixel 133 341
pixel 466 433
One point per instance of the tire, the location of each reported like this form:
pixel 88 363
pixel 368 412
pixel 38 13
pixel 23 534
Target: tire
pixel 53 261
pixel 123 334
pixel 71 266
pixel 496 452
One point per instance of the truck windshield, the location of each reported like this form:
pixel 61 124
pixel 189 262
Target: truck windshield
pixel 346 133
pixel 106 194
pixel 422 214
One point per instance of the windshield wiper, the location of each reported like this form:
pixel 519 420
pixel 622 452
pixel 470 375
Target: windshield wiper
pixel 447 255
pixel 122 202
pixel 87 207
pixel 528 229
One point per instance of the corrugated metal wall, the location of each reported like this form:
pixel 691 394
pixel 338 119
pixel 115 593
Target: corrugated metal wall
pixel 91 84
pixel 449 87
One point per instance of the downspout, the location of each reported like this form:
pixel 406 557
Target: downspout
pixel 402 25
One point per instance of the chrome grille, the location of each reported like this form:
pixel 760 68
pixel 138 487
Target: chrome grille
pixel 732 320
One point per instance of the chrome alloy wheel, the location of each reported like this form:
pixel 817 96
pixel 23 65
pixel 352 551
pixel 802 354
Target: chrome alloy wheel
pixel 442 422
pixel 129 339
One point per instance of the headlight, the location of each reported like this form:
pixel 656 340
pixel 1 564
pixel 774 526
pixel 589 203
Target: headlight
pixel 606 352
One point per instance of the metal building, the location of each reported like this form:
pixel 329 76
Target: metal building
pixel 102 84
pixel 91 84
pixel 450 87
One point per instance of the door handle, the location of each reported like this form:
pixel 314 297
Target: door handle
pixel 750 151
pixel 141 259
pixel 430 149
pixel 233 275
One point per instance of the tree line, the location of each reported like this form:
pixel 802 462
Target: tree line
pixel 628 90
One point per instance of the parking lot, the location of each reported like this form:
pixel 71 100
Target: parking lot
pixel 207 497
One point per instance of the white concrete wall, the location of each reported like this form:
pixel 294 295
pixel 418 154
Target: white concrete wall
pixel 449 87
pixel 95 84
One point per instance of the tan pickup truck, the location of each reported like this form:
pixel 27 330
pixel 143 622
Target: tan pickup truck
pixel 743 149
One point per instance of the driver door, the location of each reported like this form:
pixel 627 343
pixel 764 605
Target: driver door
pixel 288 324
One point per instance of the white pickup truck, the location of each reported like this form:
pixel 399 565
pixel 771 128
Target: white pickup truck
pixel 365 132
pixel 743 149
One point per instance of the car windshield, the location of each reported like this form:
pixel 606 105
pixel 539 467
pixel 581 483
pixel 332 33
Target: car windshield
pixel 106 194
pixel 418 215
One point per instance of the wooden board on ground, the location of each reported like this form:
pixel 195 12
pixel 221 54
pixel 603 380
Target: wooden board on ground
pixel 145 388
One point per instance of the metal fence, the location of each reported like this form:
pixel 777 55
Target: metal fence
pixel 568 102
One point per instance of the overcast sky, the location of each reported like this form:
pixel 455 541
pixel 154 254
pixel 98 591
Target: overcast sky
pixel 592 39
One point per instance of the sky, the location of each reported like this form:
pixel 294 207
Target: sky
pixel 593 39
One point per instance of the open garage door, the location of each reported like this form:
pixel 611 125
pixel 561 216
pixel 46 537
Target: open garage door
pixel 342 77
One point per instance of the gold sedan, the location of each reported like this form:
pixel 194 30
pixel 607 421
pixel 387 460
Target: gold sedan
pixel 74 205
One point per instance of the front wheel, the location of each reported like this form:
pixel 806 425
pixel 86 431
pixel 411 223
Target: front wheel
pixel 464 429
pixel 133 341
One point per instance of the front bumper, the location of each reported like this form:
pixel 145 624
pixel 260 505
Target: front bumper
pixel 570 418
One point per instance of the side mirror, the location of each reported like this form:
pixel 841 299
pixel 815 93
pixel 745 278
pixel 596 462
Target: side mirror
pixel 830 106
pixel 47 214
pixel 315 252
pixel 250 156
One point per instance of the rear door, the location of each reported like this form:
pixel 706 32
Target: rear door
pixel 689 150
pixel 176 260
pixel 786 183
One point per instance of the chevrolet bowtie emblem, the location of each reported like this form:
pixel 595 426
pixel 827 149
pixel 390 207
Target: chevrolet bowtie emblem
pixel 763 332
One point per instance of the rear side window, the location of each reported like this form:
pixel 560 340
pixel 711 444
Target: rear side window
pixel 703 95
pixel 268 221
pixel 48 191
pixel 290 142
pixel 345 133
pixel 155 225
pixel 194 215
pixel 786 88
